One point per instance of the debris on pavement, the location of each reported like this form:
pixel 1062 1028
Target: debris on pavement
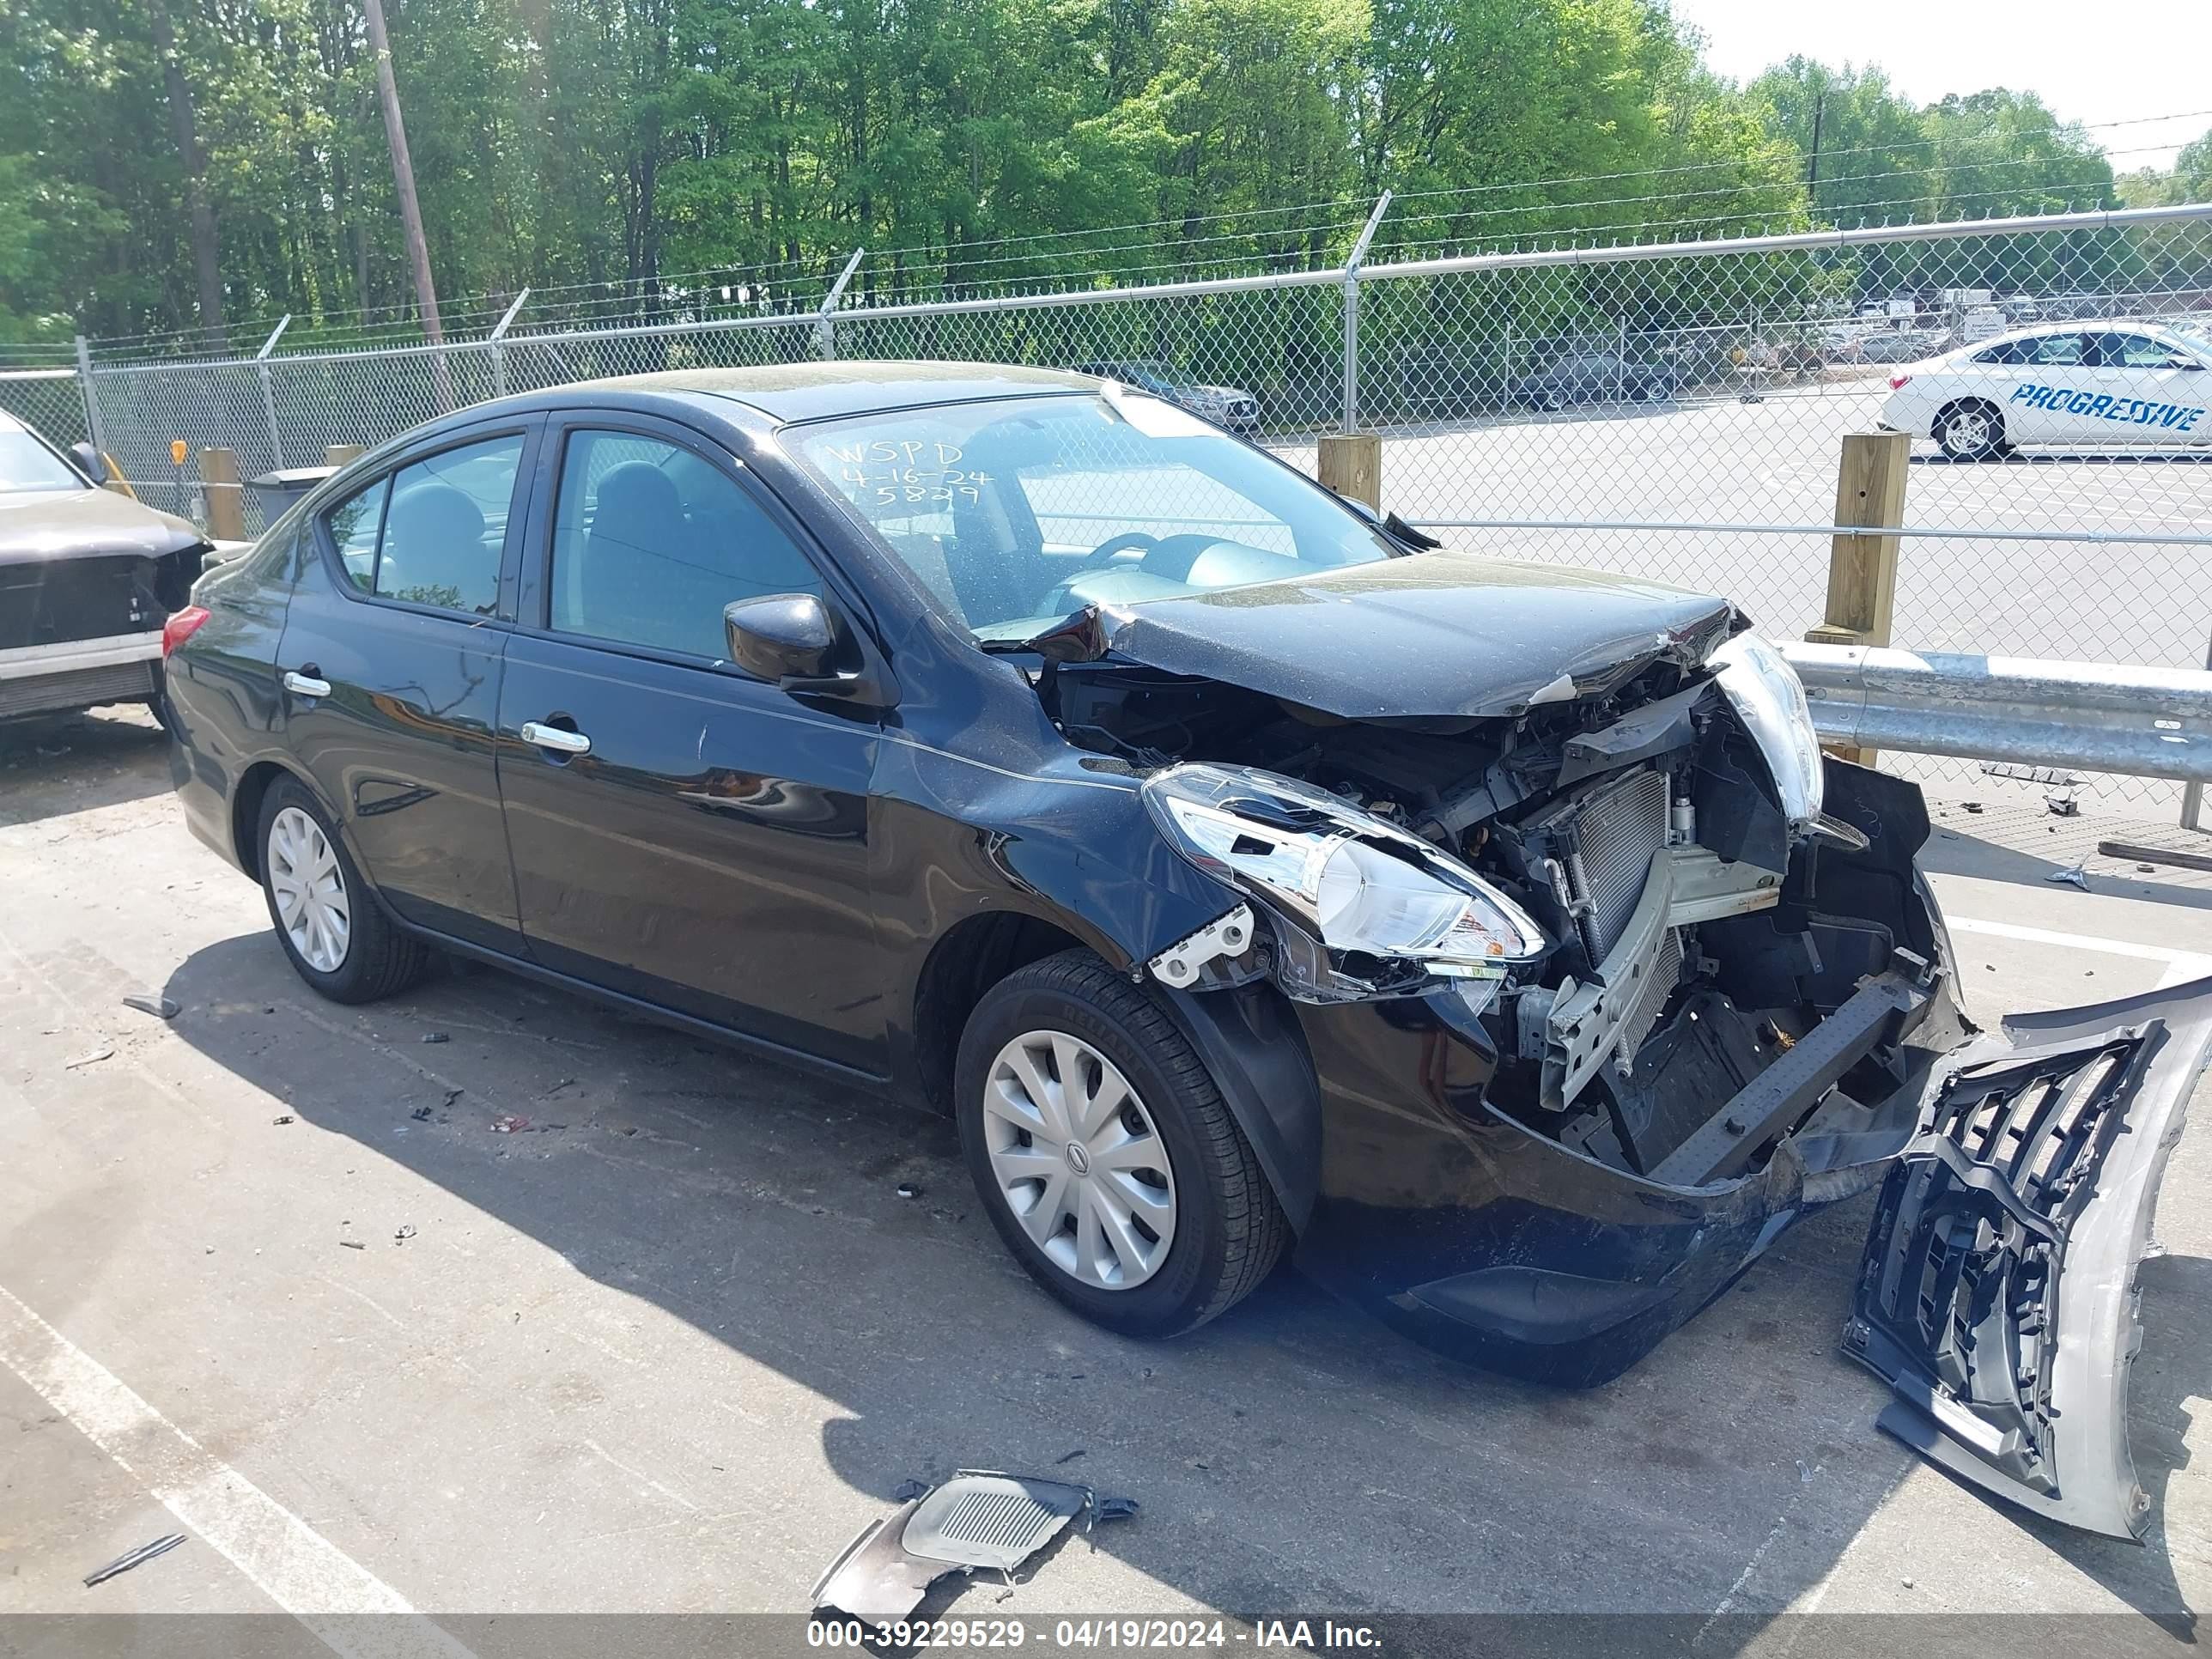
pixel 452 1095
pixel 90 1058
pixel 2074 876
pixel 510 1123
pixel 420 1113
pixel 434 1036
pixel 2064 806
pixel 161 1007
pixel 138 1558
pixel 978 1519
pixel 1068 1457
pixel 406 1231
pixel 908 1189
pixel 1973 806
pixel 351 1244
pixel 2174 857
pixel 279 1122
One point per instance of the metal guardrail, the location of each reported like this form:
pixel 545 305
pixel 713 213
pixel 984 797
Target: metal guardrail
pixel 2094 717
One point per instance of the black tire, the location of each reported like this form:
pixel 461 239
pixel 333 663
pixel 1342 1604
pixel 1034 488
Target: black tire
pixel 380 959
pixel 1971 429
pixel 1229 1230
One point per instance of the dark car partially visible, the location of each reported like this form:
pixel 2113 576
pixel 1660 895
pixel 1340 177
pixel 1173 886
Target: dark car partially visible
pixel 88 577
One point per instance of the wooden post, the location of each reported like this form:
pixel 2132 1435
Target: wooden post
pixel 1862 570
pixel 341 454
pixel 1351 464
pixel 225 501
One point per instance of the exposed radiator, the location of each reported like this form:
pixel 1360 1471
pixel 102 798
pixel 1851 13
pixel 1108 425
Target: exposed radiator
pixel 1621 827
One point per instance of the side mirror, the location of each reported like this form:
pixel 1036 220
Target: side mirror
pixel 87 458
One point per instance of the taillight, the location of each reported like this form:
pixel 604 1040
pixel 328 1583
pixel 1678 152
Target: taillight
pixel 1897 382
pixel 180 627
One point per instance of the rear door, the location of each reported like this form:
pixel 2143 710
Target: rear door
pixel 681 832
pixel 1997 1294
pixel 390 664
pixel 2034 382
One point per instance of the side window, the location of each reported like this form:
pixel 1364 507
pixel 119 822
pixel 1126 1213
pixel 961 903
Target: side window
pixel 2057 351
pixel 2012 351
pixel 650 543
pixel 354 525
pixel 2141 351
pixel 445 524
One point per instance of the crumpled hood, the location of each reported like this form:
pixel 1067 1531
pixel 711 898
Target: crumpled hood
pixel 1429 636
pixel 40 524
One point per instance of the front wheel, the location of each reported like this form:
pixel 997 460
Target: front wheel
pixel 1104 1153
pixel 328 923
pixel 1971 430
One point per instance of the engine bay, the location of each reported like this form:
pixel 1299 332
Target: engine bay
pixel 1694 938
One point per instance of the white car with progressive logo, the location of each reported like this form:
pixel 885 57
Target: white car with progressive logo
pixel 2107 384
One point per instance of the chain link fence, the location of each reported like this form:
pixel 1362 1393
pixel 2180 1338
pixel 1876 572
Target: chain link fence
pixel 1669 409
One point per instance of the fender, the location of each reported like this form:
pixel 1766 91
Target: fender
pixel 1253 1045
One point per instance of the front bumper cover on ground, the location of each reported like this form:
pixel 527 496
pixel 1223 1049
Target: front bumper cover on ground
pixel 1998 1296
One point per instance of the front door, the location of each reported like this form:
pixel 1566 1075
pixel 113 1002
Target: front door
pixel 681 832
pixel 390 663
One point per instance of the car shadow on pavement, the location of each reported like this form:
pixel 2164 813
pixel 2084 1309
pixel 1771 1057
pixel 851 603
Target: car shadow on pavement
pixel 51 764
pixel 1291 1456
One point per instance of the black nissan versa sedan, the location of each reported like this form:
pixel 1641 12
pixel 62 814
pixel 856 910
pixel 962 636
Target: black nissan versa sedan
pixel 1240 873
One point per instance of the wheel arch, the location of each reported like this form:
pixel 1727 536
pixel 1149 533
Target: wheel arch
pixel 972 956
pixel 253 787
pixel 1250 1039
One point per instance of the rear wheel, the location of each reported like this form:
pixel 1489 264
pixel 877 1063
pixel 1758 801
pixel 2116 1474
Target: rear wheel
pixel 1104 1153
pixel 337 938
pixel 1971 430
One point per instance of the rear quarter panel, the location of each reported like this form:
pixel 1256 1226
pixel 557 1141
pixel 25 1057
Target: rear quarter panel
pixel 224 703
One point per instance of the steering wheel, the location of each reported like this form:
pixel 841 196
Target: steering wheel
pixel 1101 555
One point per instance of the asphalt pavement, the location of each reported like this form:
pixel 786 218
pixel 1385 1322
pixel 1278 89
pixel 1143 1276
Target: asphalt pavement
pixel 486 1301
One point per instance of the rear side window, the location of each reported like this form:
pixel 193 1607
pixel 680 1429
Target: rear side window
pixel 445 524
pixel 650 542
pixel 431 534
pixel 354 525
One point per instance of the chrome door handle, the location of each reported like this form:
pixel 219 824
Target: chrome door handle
pixel 552 736
pixel 306 685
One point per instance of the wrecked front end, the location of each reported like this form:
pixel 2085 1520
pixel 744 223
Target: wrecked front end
pixel 1603 989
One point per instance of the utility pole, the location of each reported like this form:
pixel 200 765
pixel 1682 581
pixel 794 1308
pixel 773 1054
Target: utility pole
pixel 207 263
pixel 403 177
pixel 1813 162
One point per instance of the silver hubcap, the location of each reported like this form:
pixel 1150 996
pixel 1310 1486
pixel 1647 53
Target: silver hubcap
pixel 310 889
pixel 1969 431
pixel 1079 1161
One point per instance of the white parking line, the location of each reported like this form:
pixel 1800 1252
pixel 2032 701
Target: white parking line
pixel 288 1560
pixel 2182 966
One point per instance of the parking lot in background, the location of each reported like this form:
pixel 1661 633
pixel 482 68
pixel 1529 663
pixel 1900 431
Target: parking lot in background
pixel 637 1322
pixel 1722 461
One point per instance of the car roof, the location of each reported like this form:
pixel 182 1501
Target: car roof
pixel 811 391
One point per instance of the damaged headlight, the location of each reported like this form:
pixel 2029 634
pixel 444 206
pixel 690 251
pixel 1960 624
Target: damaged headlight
pixel 1770 699
pixel 1362 907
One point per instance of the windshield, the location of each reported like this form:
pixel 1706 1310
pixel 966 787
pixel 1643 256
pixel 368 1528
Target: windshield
pixel 27 464
pixel 1016 513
